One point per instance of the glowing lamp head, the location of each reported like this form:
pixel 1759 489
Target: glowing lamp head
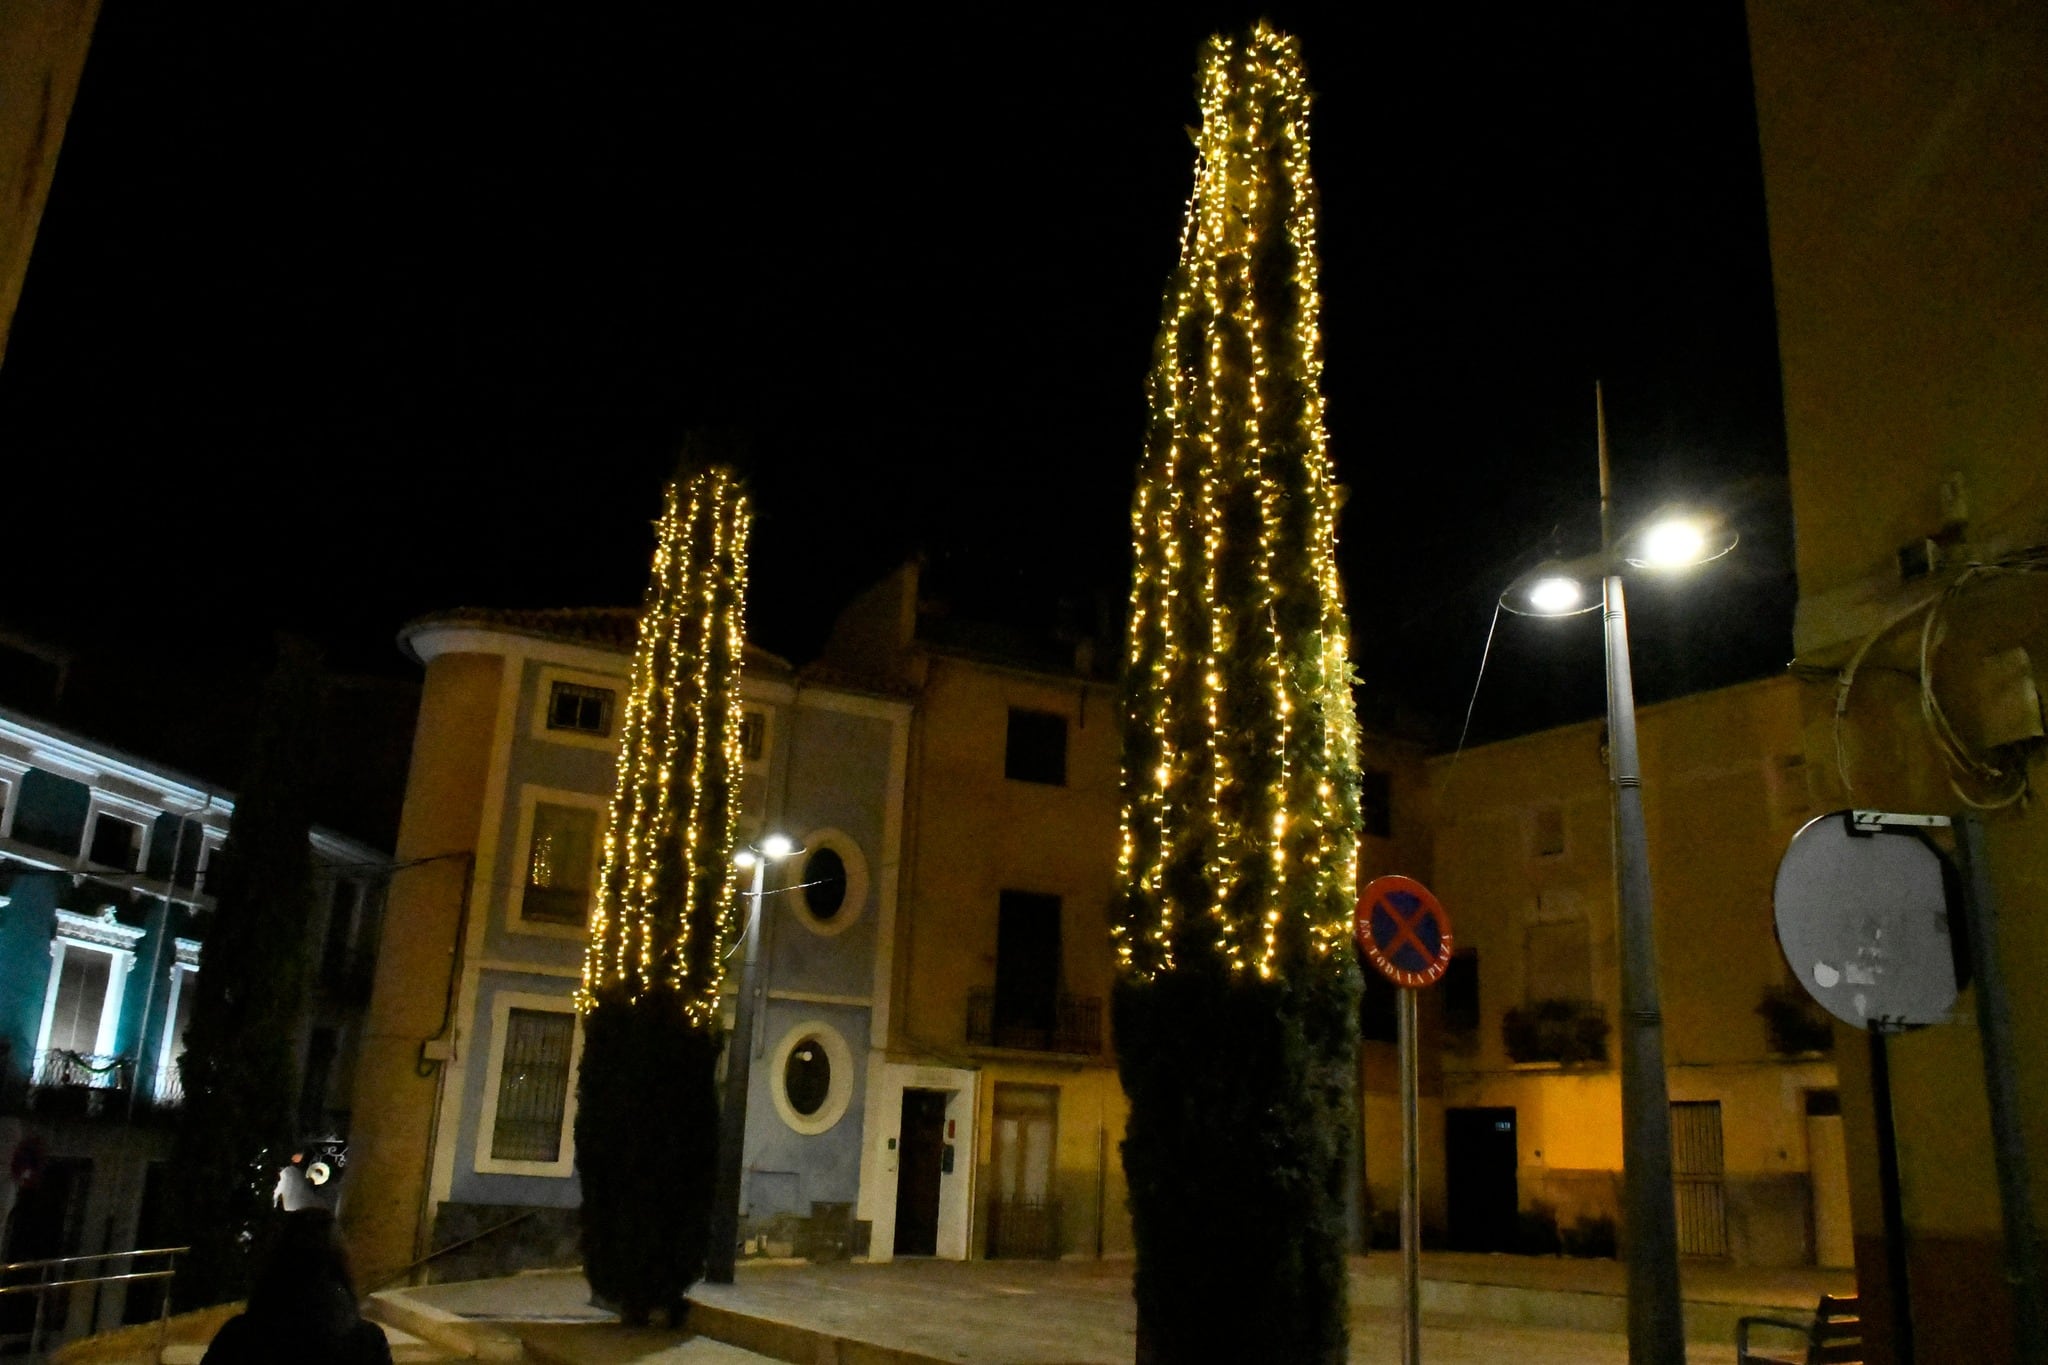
pixel 1674 544
pixel 778 846
pixel 745 858
pixel 1555 595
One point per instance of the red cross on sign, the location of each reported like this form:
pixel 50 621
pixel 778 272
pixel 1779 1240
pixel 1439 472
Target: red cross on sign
pixel 1403 931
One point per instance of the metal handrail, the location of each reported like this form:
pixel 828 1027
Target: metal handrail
pixel 95 1256
pixel 43 1286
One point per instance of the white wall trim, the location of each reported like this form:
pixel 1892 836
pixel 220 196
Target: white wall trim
pixel 856 865
pixel 839 1084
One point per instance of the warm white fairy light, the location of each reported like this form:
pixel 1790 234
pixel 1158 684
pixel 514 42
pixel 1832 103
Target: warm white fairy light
pixel 676 795
pixel 1240 779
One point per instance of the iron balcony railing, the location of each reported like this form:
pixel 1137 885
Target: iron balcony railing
pixel 61 1066
pixel 1072 1025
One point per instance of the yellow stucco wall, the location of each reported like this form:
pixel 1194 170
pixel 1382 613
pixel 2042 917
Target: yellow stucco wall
pixel 1724 787
pixel 42 54
pixel 973 834
pixel 1908 219
pixel 394 1105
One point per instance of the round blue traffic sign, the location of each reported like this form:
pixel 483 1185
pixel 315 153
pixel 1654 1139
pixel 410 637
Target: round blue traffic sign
pixel 1403 931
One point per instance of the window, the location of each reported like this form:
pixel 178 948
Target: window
pixel 116 842
pixel 81 1020
pixel 753 735
pixel 1376 803
pixel 341 925
pixel 7 782
pixel 1459 991
pixel 533 1085
pixel 559 862
pixel 573 706
pixel 834 882
pixel 1547 831
pixel 170 1085
pixel 824 884
pixel 813 1070
pixel 1036 750
pixel 51 811
pixel 807 1077
pixel 1379 1010
pixel 1027 969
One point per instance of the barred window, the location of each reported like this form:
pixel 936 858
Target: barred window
pixel 533 1085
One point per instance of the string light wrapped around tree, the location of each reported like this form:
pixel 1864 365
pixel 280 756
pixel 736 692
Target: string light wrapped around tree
pixel 667 892
pixel 647 1106
pixel 1236 995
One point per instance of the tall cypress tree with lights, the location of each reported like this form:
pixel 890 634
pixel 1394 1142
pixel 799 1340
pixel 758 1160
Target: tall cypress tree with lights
pixel 647 1107
pixel 1236 998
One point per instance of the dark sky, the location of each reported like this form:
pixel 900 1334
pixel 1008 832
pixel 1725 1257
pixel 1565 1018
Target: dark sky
pixel 341 314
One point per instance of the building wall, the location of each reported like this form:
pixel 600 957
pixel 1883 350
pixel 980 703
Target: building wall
pixel 974 835
pixel 1725 787
pixel 408 1023
pixel 42 53
pixel 829 775
pixel 1909 227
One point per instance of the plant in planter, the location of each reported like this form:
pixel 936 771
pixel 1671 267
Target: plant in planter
pixel 1794 1022
pixel 1563 1031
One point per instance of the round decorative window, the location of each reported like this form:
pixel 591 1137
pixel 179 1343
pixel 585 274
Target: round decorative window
pixel 834 881
pixel 813 1070
pixel 824 883
pixel 807 1077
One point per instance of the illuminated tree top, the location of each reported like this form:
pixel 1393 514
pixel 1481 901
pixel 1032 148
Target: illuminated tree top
pixel 1240 778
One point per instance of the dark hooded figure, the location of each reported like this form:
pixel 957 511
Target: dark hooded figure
pixel 303 1308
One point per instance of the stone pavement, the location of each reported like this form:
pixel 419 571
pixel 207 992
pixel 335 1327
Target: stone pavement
pixel 1477 1310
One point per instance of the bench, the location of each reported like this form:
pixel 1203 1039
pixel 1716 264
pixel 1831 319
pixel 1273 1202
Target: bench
pixel 1834 1337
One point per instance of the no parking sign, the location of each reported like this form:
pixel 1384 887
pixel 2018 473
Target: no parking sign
pixel 1403 931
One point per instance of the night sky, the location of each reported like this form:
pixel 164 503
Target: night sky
pixel 341 315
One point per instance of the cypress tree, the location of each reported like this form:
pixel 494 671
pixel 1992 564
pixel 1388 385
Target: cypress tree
pixel 240 1072
pixel 647 1107
pixel 1235 1004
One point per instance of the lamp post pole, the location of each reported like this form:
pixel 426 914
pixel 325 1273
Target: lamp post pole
pixel 722 1240
pixel 1656 1325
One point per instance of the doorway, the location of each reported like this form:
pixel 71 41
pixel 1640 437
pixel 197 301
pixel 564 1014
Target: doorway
pixel 1696 1178
pixel 1480 1159
pixel 920 1161
pixel 1024 1213
pixel 1827 1161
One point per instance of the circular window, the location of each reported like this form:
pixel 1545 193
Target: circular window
pixel 835 883
pixel 813 1070
pixel 807 1077
pixel 824 883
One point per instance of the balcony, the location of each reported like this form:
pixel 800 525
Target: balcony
pixel 1073 1027
pixel 1564 1032
pixel 80 1085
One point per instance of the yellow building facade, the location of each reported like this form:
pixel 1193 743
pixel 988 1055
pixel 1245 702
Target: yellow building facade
pixel 1532 1095
pixel 1908 219
pixel 999 1009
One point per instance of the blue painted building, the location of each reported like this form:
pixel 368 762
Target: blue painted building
pixel 463 1160
pixel 103 865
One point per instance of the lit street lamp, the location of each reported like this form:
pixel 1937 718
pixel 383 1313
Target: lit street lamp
pixel 723 1240
pixel 1656 1329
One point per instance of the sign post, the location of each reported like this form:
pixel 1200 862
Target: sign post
pixel 1406 935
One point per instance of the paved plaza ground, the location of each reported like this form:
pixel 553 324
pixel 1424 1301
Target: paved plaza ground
pixel 1478 1309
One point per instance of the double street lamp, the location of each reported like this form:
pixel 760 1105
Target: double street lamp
pixel 723 1241
pixel 1672 542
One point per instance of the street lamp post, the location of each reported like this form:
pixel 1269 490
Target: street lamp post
pixel 722 1241
pixel 1656 1327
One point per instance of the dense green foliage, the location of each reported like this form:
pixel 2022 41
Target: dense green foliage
pixel 239 1068
pixel 1236 1006
pixel 646 1139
